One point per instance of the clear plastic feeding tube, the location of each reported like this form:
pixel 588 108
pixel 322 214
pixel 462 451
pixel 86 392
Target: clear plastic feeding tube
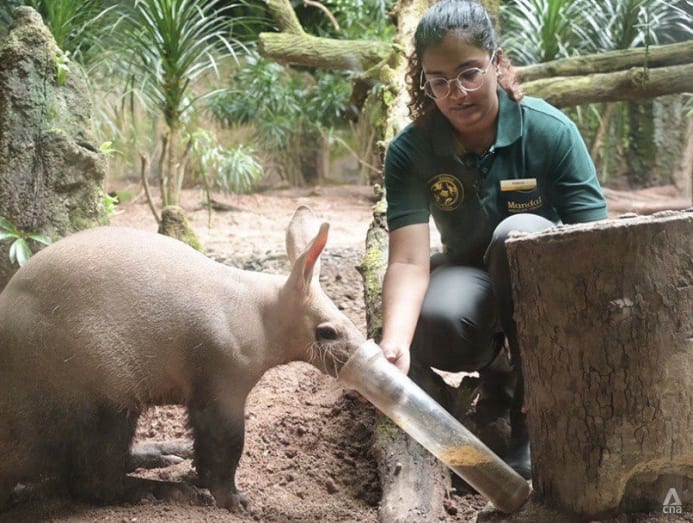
pixel 368 372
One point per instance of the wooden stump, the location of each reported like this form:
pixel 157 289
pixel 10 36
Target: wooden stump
pixel 605 318
pixel 413 481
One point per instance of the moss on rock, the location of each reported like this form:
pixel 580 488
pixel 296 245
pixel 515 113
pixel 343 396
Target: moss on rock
pixel 51 169
pixel 175 224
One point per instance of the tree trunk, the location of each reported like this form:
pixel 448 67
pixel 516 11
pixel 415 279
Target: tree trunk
pixel 683 176
pixel 373 268
pixel 641 152
pixel 604 123
pixel 285 16
pixel 169 180
pixel 606 346
pixel 414 482
pixel 324 159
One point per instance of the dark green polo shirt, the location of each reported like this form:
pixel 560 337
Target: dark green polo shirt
pixel 535 142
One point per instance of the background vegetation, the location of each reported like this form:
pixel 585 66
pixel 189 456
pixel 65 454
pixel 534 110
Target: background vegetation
pixel 181 92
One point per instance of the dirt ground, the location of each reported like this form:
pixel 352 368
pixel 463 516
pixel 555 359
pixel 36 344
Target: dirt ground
pixel 307 456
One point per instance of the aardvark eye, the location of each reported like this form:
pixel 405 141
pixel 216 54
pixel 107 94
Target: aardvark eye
pixel 325 332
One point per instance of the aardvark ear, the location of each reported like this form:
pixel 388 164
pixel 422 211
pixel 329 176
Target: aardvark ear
pixel 304 243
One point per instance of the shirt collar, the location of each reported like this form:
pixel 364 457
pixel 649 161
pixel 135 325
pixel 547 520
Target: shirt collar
pixel 509 126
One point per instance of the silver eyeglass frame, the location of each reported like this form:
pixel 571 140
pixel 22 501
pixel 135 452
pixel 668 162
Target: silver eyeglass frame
pixel 423 81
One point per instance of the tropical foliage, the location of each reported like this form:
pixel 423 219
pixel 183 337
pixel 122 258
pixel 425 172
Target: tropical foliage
pixel 287 111
pixel 367 19
pixel 296 115
pixel 542 30
pixel 162 63
pixel 77 26
pixel 537 31
pixel 236 169
pixel 171 46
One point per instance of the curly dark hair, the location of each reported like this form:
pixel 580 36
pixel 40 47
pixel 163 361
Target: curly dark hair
pixel 473 22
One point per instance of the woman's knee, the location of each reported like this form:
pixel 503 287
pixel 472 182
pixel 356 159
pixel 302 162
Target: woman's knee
pixel 524 222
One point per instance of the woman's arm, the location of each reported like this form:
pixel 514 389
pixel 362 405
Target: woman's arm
pixel 404 286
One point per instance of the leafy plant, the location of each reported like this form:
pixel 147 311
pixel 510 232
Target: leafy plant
pixel 623 130
pixel 367 19
pixel 542 30
pixel 171 46
pixel 287 110
pixel 20 252
pixel 107 148
pixel 234 170
pixel 62 66
pixel 78 26
pixel 110 204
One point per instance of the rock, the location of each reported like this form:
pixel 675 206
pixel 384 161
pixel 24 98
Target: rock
pixel 51 170
pixel 330 486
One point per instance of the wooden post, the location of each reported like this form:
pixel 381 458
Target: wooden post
pixel 605 317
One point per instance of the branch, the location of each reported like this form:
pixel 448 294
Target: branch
pixel 634 84
pixel 285 16
pixel 324 53
pixel 652 56
pixel 325 10
pixel 163 178
pixel 147 192
pixel 181 166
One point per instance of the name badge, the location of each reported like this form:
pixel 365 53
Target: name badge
pixel 521 184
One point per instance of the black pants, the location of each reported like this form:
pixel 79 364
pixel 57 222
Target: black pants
pixel 468 311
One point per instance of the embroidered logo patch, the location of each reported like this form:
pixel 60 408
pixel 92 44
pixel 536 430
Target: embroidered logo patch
pixel 447 192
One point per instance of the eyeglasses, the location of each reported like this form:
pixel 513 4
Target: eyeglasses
pixel 467 81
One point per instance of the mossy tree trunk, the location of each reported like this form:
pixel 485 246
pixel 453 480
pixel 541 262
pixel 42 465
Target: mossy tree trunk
pixel 413 482
pixel 325 53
